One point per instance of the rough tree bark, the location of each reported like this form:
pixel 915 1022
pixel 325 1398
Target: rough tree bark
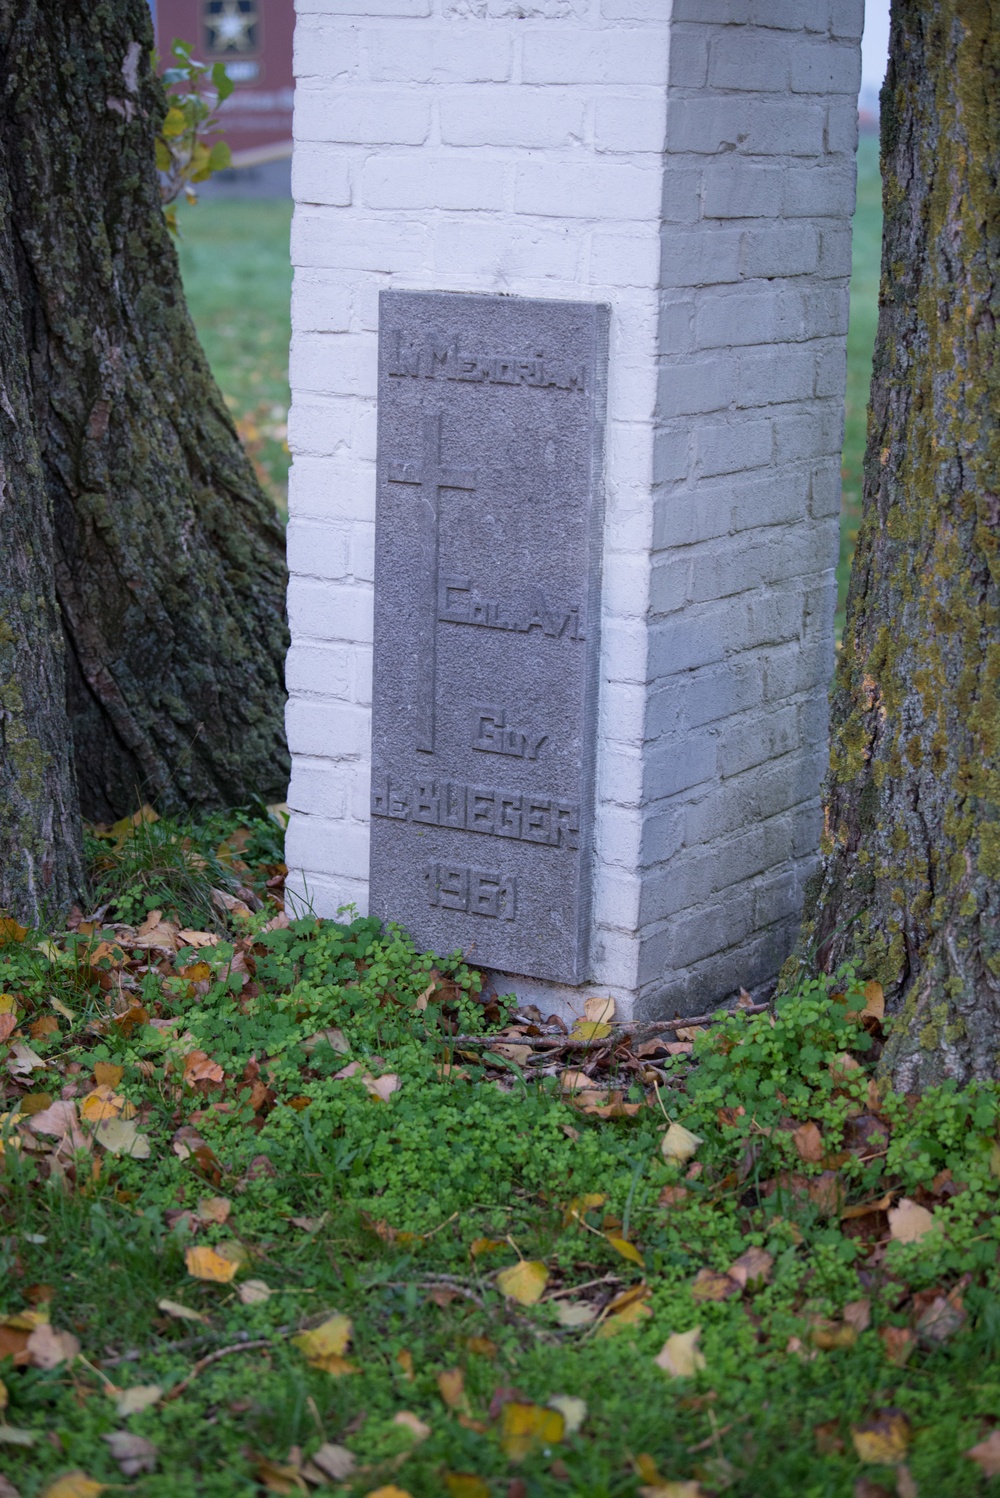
pixel 167 559
pixel 910 883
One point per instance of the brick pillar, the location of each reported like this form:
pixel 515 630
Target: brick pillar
pixel 696 174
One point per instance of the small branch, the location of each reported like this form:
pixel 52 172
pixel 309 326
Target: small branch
pixel 622 1032
pixel 213 1357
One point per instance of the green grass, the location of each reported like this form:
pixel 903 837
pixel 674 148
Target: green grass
pixel 867 253
pixel 237 277
pixel 376 1209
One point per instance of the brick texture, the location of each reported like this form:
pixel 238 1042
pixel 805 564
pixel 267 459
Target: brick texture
pixel 696 172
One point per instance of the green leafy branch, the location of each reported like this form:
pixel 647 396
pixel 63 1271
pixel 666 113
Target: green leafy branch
pixel 183 155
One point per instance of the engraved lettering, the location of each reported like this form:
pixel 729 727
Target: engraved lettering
pixel 437 358
pixel 476 808
pixel 476 891
pixel 460 603
pixel 494 737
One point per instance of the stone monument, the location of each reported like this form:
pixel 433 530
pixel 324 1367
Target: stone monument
pixel 568 371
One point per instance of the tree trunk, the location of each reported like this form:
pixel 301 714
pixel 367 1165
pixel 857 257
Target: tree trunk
pixel 168 559
pixel 910 883
pixel 39 817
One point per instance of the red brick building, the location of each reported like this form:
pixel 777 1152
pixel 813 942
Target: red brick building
pixel 254 40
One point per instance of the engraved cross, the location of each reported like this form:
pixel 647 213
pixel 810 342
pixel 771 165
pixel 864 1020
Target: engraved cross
pixel 430 475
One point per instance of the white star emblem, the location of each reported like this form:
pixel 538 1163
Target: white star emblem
pixel 229 27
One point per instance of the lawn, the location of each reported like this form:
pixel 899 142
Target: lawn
pixel 289 1206
pixel 238 279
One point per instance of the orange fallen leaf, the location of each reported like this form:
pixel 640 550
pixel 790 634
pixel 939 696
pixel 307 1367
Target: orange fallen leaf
pixel 199 1067
pixel 204 1263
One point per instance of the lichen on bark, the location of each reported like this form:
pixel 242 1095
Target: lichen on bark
pixel 167 559
pixel 910 881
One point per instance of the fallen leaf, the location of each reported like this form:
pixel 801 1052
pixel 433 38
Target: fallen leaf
pixel 8 1024
pixel 418 1430
pixel 451 1384
pixel 898 1342
pixel 808 1142
pixel 74 1485
pixel 223 900
pixel 199 1067
pixel 47 1347
pixel 523 1282
pixel 986 1454
pixel 10 931
pixel 909 1222
pixel 466 1485
pixel 134 1454
pixel 752 1268
pixel 831 1336
pixel 905 1485
pixel 7 1488
pixel 390 1490
pixel 483 1347
pixel 204 1263
pixel 11 1435
pixel 178 1312
pixel 712 1284
pixel 574 1313
pixel 486 1246
pixel 679 1144
pixel 618 1321
pixel 572 1409
pixel 585 1029
pixel 626 1249
pixel 405 1360
pixel 599 1011
pixel 680 1356
pixel 214 1209
pixel 828 1439
pixel 572 1081
pixel 137 1398
pixel 334 1037
pixel 942 1318
pixel 59 1121
pixel 278 1477
pixel 382 1087
pixel 324 1345
pixel 46 1024
pixel 102 1103
pixel 198 939
pixel 884 1440
pixel 673 1490
pixel 22 1060
pixel 858 1313
pixel 523 1427
pixel 672 1196
pixel 335 1462
pixel 253 1292
pixel 874 1001
pixel 120 1136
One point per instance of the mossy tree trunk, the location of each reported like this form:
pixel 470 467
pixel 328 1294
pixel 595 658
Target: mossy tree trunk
pixel 166 558
pixel 910 884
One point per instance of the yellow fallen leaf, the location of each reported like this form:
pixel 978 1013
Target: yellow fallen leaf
pixel 832 1336
pixel 986 1454
pixel 909 1222
pixel 11 931
pixel 680 1356
pixel 523 1282
pixel 572 1409
pixel 411 1422
pixel 581 1205
pixel 120 1136
pixel 617 1321
pixel 331 1337
pixel 713 1284
pixel 525 1426
pixel 586 1029
pixel 204 1263
pixel 486 1245
pixel 466 1485
pixel 389 1491
pixel 679 1144
pixel 74 1485
pixel 4 1395
pixel 334 1364
pixel 626 1249
pixel 106 1074
pixel 278 1478
pixel 884 1440
pixel 102 1103
pixel 405 1360
pixel 599 1011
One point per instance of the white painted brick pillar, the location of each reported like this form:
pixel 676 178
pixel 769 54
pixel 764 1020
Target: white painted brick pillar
pixel 692 166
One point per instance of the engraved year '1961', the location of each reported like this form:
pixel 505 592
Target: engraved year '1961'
pixel 457 886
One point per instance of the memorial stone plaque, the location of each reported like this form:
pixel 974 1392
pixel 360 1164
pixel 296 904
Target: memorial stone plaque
pixel 487 583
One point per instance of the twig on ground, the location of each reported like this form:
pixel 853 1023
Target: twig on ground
pixel 622 1032
pixel 213 1357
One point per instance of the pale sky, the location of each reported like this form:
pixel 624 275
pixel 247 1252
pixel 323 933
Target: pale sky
pixel 875 44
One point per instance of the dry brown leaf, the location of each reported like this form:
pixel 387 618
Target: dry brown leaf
pixel 898 1342
pixel 679 1144
pixel 279 1478
pixel 986 1454
pixel 858 1313
pixel 451 1386
pixel 254 1292
pixel 335 1462
pixel 573 1081
pixel 909 1222
pixel 874 1002
pixel 134 1400
pixel 486 1246
pixel 382 1087
pixel 59 1121
pixel 572 1313
pixel 829 1441
pixel 599 1011
pixel 523 1282
pixel 519 1054
pixel 943 1317
pixel 830 1336
pixel 198 939
pixel 204 1263
pixel 712 1284
pixel 214 1209
pixel 680 1356
pixel 483 1347
pixel 134 1454
pixel 199 1067
pixel 47 1348
pixel 884 1440
pixel 411 1422
pixel 752 1268
pixel 808 1142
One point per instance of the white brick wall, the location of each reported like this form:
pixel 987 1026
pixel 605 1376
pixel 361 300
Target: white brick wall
pixel 695 172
